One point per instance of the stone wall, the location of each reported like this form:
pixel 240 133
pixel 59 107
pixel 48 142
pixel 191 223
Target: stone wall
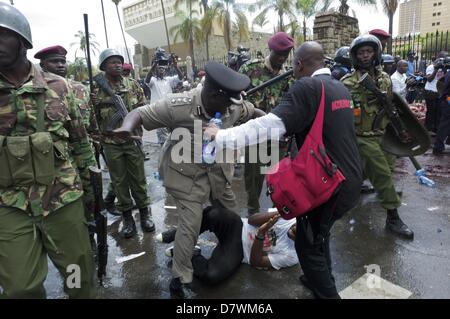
pixel 334 30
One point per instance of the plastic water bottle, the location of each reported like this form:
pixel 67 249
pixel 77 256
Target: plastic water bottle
pixel 422 179
pixel 209 147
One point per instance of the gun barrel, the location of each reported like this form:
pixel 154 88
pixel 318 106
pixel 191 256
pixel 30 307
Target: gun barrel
pixel 269 82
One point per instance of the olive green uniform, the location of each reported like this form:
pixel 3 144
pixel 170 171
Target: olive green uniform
pixel 125 160
pixel 191 183
pixel 260 71
pixel 43 143
pixel 377 164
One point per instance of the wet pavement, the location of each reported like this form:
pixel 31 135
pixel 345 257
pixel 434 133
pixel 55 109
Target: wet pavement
pixel 359 239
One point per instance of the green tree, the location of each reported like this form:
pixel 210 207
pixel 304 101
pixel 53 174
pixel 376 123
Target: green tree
pixel 206 25
pixel 389 7
pixel 282 8
pixel 191 23
pixel 223 10
pixel 240 26
pixel 188 27
pixel 77 70
pixel 343 6
pixel 307 9
pixel 81 43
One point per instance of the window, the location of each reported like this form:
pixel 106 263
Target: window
pixel 434 14
pixel 439 3
pixel 438 23
pixel 434 4
pixel 438 13
pixel 433 24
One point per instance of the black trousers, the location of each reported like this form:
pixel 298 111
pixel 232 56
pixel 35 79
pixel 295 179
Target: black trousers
pixel 228 254
pixel 432 116
pixel 444 126
pixel 312 244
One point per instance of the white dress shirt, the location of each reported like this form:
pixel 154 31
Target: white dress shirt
pixel 399 83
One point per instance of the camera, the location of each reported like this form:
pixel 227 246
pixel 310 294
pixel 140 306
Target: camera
pixel 236 60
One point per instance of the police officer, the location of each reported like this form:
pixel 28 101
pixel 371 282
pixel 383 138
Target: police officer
pixel 188 180
pixel 42 143
pixel 365 52
pixel 343 62
pixel 259 71
pixel 125 159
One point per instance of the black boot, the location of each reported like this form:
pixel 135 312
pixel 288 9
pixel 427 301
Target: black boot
pixel 109 204
pixel 397 226
pixel 147 223
pixel 179 290
pixel 129 227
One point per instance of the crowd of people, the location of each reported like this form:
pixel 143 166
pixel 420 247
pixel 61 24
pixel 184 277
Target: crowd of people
pixel 50 127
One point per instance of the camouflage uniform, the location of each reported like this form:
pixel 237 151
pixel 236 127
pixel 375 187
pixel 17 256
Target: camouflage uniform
pixel 125 160
pixel 79 93
pixel 40 203
pixel 378 165
pixel 260 71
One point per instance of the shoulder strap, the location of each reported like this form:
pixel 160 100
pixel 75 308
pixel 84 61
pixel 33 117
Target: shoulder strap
pixel 40 115
pixel 317 127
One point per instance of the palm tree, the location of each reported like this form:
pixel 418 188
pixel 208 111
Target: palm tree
pixel 223 9
pixel 78 69
pixel 188 22
pixel 389 7
pixel 260 21
pixel 81 43
pixel 307 8
pixel 186 30
pixel 240 26
pixel 343 7
pixel 206 25
pixel 281 7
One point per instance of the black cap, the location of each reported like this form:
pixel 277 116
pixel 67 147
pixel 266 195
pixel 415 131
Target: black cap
pixel 225 78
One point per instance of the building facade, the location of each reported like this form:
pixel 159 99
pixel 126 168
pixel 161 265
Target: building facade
pixel 424 16
pixel 409 17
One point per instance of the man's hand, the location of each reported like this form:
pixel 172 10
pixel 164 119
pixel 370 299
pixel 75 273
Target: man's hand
pixel 211 131
pixel 124 134
pixel 264 228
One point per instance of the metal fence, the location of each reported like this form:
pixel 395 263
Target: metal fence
pixel 424 47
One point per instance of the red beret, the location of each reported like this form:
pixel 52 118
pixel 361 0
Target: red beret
pixel 379 33
pixel 52 51
pixel 201 73
pixel 127 67
pixel 280 42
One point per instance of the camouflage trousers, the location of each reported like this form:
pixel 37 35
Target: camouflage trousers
pixel 126 168
pixel 378 167
pixel 26 241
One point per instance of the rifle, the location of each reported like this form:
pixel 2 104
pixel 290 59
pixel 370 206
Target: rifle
pixel 387 109
pixel 397 125
pixel 101 222
pixel 269 82
pixel 121 110
pixel 97 147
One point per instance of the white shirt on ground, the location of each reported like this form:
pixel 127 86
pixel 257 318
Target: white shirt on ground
pixel 161 87
pixel 399 83
pixel 279 247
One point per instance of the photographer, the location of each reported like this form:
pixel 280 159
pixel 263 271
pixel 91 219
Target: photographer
pixel 444 104
pixel 161 84
pixel 434 73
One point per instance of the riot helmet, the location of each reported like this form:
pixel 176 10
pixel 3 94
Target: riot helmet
pixel 12 19
pixel 342 56
pixel 106 54
pixel 363 40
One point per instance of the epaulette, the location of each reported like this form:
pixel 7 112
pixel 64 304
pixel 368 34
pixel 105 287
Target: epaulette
pixel 179 99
